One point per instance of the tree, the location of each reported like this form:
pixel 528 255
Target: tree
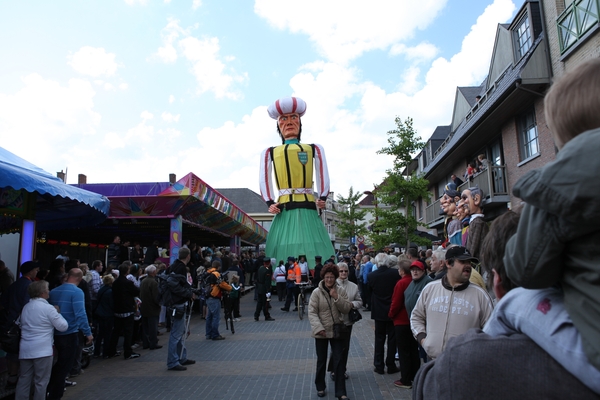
pixel 400 188
pixel 350 215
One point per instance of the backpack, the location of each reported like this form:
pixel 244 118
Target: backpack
pixel 164 294
pixel 204 285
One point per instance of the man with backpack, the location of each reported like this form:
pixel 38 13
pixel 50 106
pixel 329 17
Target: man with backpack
pixel 176 297
pixel 213 301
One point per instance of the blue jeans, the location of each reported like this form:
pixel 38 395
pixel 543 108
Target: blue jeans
pixel 213 317
pixel 175 355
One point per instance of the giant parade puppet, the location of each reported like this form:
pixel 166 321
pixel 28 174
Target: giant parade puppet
pixel 302 180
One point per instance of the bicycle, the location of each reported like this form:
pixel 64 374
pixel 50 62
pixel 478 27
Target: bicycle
pixel 302 303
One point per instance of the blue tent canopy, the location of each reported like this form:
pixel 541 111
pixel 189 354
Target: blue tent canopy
pixel 55 205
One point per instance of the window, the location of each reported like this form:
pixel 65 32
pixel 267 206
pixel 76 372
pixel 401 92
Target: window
pixel 528 136
pixel 578 18
pixel 523 36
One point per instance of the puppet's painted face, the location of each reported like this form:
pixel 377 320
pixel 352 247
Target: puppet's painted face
pixel 473 201
pixel 289 125
pixel 448 205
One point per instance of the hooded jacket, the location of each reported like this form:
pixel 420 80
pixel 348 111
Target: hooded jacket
pixel 558 234
pixel 324 310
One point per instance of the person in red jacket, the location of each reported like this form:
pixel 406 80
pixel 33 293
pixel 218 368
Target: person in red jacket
pixel 408 350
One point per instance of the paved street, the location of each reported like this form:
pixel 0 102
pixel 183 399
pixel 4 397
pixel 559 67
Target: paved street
pixel 262 360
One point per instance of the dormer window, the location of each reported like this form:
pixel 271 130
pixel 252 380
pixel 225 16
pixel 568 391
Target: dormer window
pixel 523 36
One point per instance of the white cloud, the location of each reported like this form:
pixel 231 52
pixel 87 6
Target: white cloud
pixel 196 4
pixel 210 72
pixel 123 86
pixel 171 99
pixel 342 30
pixel 170 33
pixel 145 115
pixel 49 116
pixel 422 52
pixel 134 2
pixel 168 117
pixel 210 69
pixel 93 62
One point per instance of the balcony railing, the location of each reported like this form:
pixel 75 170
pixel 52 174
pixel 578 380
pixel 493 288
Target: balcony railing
pixel 432 212
pixel 493 183
pixel 577 19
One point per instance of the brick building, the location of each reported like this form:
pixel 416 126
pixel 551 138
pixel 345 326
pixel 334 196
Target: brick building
pixel 503 118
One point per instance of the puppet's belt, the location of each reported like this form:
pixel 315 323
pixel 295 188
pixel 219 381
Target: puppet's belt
pixel 284 192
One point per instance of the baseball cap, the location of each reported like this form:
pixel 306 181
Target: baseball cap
pixel 266 260
pixel 290 258
pixel 418 264
pixel 318 258
pixel 459 253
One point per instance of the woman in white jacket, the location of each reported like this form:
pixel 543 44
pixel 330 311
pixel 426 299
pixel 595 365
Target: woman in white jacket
pixel 354 297
pixel 38 321
pixel 328 303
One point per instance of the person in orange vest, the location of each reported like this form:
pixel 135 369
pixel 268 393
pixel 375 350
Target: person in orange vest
pixel 294 275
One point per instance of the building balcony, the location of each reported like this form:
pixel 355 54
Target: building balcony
pixel 491 181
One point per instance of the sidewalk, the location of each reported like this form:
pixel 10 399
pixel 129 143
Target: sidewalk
pixel 262 360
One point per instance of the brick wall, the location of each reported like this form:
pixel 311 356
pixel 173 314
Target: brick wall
pixel 510 143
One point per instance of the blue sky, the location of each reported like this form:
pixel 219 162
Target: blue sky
pixel 132 90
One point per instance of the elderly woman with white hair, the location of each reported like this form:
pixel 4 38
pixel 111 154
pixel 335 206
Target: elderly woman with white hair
pixel 38 321
pixel 354 297
pixel 150 309
pixel 438 263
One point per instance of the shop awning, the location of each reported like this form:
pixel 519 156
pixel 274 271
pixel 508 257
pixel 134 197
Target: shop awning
pixel 29 192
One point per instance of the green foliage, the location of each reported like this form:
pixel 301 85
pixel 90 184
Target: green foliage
pixel 350 214
pixel 399 189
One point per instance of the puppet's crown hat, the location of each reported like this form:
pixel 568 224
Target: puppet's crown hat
pixel 287 105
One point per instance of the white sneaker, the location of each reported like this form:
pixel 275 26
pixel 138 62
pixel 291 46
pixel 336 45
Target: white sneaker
pixel 236 320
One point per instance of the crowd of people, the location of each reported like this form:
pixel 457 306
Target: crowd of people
pixel 498 311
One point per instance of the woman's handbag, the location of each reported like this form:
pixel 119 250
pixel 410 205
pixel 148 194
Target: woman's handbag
pixel 354 315
pixel 11 339
pixel 338 330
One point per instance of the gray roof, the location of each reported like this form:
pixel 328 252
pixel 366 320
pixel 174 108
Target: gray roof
pixel 470 92
pixel 440 133
pixel 504 84
pixel 247 200
pixel 438 136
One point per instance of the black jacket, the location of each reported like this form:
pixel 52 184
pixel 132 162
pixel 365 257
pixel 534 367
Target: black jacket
pixel 124 292
pixel 105 305
pixel 382 283
pixel 178 286
pixel 151 255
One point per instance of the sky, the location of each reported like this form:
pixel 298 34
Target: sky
pixel 133 90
